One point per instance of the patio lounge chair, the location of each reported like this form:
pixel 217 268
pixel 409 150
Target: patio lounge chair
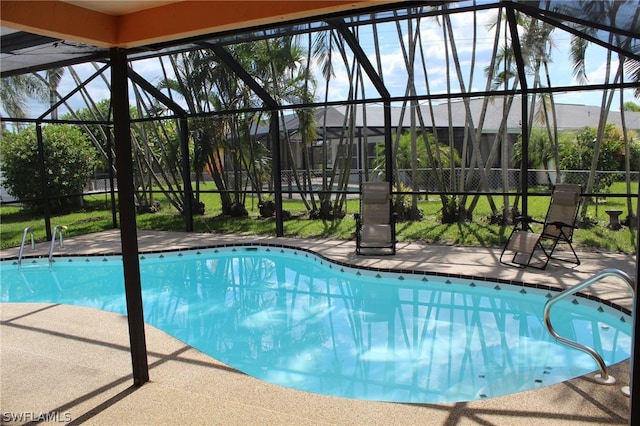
pixel 557 228
pixel 376 222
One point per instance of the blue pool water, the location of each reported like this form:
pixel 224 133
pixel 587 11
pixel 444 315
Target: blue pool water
pixel 295 319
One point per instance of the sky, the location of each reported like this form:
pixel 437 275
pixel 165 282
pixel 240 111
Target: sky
pixel 394 70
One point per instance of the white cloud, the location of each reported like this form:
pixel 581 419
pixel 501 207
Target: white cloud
pixel 598 74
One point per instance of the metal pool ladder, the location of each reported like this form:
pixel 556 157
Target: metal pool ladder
pixel 27 230
pixel 57 229
pixel 603 377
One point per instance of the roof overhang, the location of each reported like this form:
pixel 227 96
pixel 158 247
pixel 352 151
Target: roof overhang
pixel 129 24
pixel 40 35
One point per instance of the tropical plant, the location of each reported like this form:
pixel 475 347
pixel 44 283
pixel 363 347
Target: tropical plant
pixel 541 150
pixel 53 78
pixel 408 153
pixel 224 145
pixel 604 11
pixel 630 106
pixel 414 163
pixel 536 44
pixel 16 91
pixel 578 155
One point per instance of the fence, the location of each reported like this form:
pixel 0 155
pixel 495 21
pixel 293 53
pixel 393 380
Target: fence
pixel 494 181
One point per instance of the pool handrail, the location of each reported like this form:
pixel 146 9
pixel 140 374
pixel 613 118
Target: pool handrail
pixel 58 228
pixel 27 230
pixel 603 377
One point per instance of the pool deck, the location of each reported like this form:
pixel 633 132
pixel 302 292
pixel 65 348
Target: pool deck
pixel 73 364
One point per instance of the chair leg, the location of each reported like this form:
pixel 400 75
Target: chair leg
pixel 564 239
pixel 573 252
pixel 520 264
pixel 577 262
pixel 502 255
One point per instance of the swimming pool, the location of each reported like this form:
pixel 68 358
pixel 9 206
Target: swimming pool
pixel 290 317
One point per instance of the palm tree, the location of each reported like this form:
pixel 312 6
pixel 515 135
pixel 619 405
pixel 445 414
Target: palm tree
pixel 16 91
pixel 205 86
pixel 54 76
pixel 304 92
pixel 224 145
pixel 602 10
pixel 471 130
pixel 289 80
pixel 435 158
pixel 408 153
pixel 327 46
pixel 536 44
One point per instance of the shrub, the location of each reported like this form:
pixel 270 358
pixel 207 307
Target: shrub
pixel 577 154
pixel 69 158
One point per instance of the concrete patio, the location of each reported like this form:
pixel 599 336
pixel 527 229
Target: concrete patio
pixel 72 364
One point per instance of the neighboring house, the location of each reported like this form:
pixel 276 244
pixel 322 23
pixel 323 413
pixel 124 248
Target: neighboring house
pixel 4 195
pixel 332 127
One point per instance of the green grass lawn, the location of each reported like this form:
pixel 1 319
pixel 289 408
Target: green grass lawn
pixel 96 216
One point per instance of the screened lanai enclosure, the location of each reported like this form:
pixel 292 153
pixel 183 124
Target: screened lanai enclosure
pixel 429 97
pixel 452 100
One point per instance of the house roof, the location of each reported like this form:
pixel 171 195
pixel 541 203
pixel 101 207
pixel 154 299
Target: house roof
pixel 568 116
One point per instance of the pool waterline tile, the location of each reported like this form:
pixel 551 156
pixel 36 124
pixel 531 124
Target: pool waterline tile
pixel 485 286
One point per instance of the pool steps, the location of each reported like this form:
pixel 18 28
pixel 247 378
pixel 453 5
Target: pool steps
pixel 603 377
pixel 26 232
pixel 57 229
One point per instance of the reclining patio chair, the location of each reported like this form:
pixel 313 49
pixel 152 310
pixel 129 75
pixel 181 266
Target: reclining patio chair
pixel 557 228
pixel 376 222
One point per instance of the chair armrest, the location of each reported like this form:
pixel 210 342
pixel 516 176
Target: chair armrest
pixel 522 218
pixel 527 219
pixel 559 225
